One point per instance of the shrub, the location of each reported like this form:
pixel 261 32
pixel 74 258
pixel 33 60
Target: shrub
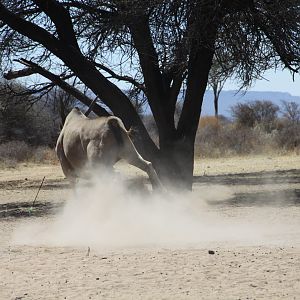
pixel 210 121
pixel 291 112
pixel 229 140
pixel 14 152
pixel 24 118
pixel 263 113
pixel 288 137
pixel 43 154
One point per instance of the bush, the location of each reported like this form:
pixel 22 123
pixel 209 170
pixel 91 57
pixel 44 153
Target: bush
pixel 43 154
pixel 14 152
pixel 228 139
pixel 251 114
pixel 208 121
pixel 288 137
pixel 291 112
pixel 23 118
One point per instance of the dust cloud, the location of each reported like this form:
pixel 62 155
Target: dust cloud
pixel 110 212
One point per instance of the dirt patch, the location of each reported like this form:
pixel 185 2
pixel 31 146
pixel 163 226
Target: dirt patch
pixel 249 220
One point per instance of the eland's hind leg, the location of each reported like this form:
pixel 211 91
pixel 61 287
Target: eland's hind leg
pixel 131 155
pixel 67 169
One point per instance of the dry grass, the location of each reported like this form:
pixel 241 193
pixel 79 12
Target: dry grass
pixel 14 152
pixel 222 138
pixel 208 121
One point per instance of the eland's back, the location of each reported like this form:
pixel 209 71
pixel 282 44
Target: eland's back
pixel 85 142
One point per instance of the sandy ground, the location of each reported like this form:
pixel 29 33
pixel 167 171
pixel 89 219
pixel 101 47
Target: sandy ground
pixel 245 246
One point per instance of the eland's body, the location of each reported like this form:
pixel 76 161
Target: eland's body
pixel 88 143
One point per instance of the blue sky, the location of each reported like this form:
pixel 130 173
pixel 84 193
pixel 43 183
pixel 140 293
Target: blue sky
pixel 280 81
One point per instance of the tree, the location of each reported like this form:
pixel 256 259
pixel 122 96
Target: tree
pixel 156 46
pixel 291 112
pixel 288 135
pixel 60 104
pixel 22 118
pixel 216 80
pixel 263 113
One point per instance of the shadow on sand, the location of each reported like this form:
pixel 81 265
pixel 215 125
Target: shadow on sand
pixel 25 209
pixel 283 197
pixel 279 198
pixel 255 178
pixel 50 184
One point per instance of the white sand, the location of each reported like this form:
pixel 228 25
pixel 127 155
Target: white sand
pixel 256 243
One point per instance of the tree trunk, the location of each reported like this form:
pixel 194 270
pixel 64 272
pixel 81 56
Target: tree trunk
pixel 175 163
pixel 216 104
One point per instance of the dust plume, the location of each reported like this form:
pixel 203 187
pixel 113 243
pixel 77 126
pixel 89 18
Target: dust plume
pixel 109 212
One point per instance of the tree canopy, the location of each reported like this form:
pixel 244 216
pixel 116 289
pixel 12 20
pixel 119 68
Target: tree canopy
pixel 157 48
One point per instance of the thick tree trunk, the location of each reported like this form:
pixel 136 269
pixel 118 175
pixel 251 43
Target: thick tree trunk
pixel 175 164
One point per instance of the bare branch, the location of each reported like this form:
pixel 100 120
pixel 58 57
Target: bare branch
pixel 90 8
pixel 109 93
pixel 20 73
pixel 120 77
pixel 30 30
pixel 33 68
pixel 274 38
pixel 62 20
pixel 155 88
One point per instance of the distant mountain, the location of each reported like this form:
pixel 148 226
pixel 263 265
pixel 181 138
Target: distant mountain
pixel 230 98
